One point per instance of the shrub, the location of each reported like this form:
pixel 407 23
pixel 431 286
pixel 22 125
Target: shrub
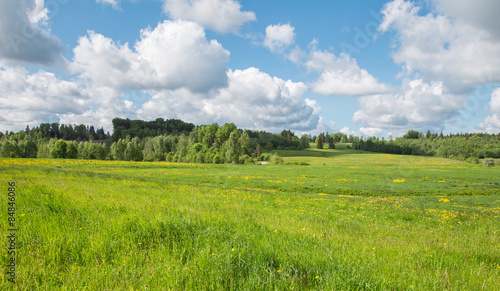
pixel 217 159
pixel 473 160
pixel 265 157
pixel 275 159
pixel 246 159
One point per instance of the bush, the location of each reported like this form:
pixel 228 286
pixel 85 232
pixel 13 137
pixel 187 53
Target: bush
pixel 275 159
pixel 217 159
pixel 245 159
pixel 209 157
pixel 473 160
pixel 265 157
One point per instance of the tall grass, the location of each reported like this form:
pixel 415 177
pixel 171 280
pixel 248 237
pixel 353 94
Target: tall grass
pixel 340 223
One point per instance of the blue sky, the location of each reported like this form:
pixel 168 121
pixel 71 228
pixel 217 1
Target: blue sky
pixel 360 67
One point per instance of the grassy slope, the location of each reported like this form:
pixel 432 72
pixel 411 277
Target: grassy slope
pixel 340 223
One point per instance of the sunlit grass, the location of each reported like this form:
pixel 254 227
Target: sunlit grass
pixel 340 223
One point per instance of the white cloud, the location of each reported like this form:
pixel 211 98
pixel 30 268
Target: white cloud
pixel 491 123
pixel 495 101
pixel 253 100
pixel 39 14
pixel 341 75
pixel 219 15
pixel 370 131
pixel 21 38
pixel 454 51
pixel 347 131
pixel 337 75
pixel 483 14
pixel 34 98
pixel 279 37
pixel 417 105
pixel 171 56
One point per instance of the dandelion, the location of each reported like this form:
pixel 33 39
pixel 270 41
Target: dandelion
pixel 399 181
pixel 279 271
pixel 317 277
pixel 275 230
pixel 140 243
pixel 213 254
pixel 232 250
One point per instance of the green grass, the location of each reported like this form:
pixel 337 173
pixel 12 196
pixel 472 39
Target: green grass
pixel 342 223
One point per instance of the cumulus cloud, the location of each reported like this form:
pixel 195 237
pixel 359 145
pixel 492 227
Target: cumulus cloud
pixel 338 75
pixel 456 51
pixel 279 37
pixel 347 131
pixel 491 123
pixel 341 76
pixel 22 39
pixel 495 101
pixel 253 100
pixel 174 55
pixel 370 131
pixel 483 14
pixel 417 105
pixel 219 15
pixel 39 14
pixel 33 98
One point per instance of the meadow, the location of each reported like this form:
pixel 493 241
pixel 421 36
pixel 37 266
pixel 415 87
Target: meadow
pixel 346 221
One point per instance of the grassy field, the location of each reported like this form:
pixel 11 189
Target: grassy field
pixel 346 221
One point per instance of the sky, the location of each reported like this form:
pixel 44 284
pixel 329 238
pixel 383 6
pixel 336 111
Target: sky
pixel 361 67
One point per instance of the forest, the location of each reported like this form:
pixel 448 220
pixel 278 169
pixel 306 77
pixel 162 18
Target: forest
pixel 170 140
pixel 174 140
pixel 469 147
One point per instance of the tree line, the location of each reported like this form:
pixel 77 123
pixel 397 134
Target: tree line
pixel 468 147
pixel 161 140
pixel 174 140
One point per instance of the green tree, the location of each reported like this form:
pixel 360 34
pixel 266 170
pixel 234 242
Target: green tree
pixel 10 149
pixel 233 147
pixel 58 150
pixel 224 132
pixel 245 143
pixel 133 152
pixel 412 134
pixel 304 141
pixel 258 150
pixel 71 150
pixel 118 149
pixel 319 141
pixel 207 134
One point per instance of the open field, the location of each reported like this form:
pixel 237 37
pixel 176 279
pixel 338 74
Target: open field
pixel 347 221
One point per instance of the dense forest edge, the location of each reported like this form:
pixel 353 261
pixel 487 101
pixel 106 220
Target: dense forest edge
pixel 174 140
